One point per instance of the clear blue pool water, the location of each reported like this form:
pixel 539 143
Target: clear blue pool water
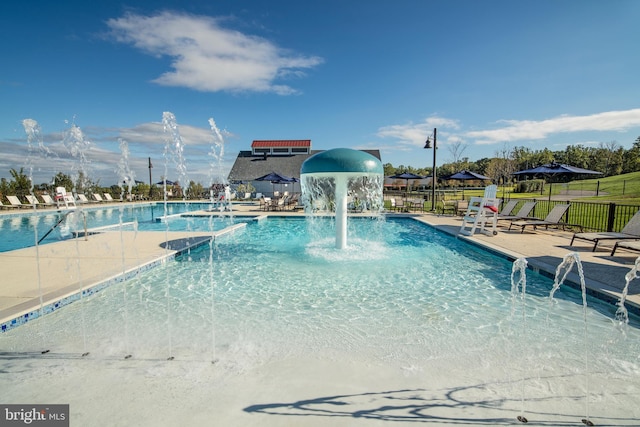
pixel 19 230
pixel 402 295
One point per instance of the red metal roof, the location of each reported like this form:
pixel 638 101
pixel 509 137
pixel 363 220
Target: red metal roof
pixel 281 143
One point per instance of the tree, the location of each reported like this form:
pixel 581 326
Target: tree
pixel 389 170
pixel 502 166
pixel 4 187
pixel 21 184
pixel 63 180
pixel 631 158
pixel 195 190
pixel 456 149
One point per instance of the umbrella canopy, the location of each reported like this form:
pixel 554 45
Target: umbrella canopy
pixel 468 175
pixel 556 169
pixel 407 176
pixel 165 181
pixel 275 178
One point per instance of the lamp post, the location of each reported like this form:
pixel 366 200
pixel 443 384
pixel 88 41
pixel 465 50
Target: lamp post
pixel 434 181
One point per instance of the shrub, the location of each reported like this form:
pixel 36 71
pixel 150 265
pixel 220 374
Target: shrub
pixel 530 186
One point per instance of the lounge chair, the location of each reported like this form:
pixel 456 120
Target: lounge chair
pixel 523 213
pixel 33 200
pixel 508 208
pixel 108 198
pixel 82 198
pixel 15 202
pixel 97 197
pixel 625 244
pixel 48 201
pixel 631 231
pixel 553 218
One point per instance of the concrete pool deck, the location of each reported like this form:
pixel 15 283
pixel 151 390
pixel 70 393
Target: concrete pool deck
pixel 66 267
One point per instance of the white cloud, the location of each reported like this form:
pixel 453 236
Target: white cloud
pixel 411 135
pixel 519 130
pixel 103 154
pixel 207 57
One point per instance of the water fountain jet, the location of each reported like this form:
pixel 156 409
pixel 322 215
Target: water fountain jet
pixel 327 177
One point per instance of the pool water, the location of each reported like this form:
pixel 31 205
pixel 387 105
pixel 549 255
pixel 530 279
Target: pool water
pixel 402 294
pixel 18 231
pixel 403 291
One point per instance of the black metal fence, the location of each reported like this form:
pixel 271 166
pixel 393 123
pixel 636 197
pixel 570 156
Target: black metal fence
pixel 591 216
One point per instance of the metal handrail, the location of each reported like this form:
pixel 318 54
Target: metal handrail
pixel 62 218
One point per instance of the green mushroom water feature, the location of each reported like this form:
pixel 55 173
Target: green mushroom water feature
pixel 330 178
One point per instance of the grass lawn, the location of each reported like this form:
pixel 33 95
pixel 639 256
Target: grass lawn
pixel 623 189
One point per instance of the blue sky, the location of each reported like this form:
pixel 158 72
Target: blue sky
pixel 489 75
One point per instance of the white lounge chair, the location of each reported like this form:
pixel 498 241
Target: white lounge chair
pixel 97 197
pixel 108 198
pixel 82 198
pixel 15 202
pixel 33 200
pixel 631 231
pixel 48 201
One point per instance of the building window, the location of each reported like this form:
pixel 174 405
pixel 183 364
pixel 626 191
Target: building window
pixel 303 150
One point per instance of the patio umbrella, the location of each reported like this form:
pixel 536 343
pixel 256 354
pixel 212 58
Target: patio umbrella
pixel 556 169
pixel 466 175
pixel 165 181
pixel 406 176
pixel 275 178
pixel 552 169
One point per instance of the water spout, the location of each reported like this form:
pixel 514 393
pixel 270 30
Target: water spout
pixel 562 271
pixel 328 177
pixel 622 315
pixel 519 288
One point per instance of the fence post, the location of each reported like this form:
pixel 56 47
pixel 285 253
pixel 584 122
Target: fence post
pixel 598 189
pixel 611 216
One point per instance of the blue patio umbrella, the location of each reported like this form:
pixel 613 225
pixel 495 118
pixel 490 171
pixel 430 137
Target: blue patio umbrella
pixel 468 175
pixel 556 169
pixel 552 169
pixel 406 176
pixel 165 181
pixel 276 178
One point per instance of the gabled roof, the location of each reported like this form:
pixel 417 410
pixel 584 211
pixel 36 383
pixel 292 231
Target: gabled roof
pixel 281 143
pixel 248 166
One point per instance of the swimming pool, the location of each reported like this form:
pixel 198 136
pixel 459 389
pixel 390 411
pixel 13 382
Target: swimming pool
pixel 18 229
pixel 404 317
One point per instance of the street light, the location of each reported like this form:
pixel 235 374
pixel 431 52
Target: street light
pixel 434 181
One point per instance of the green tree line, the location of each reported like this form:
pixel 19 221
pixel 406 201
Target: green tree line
pixel 609 158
